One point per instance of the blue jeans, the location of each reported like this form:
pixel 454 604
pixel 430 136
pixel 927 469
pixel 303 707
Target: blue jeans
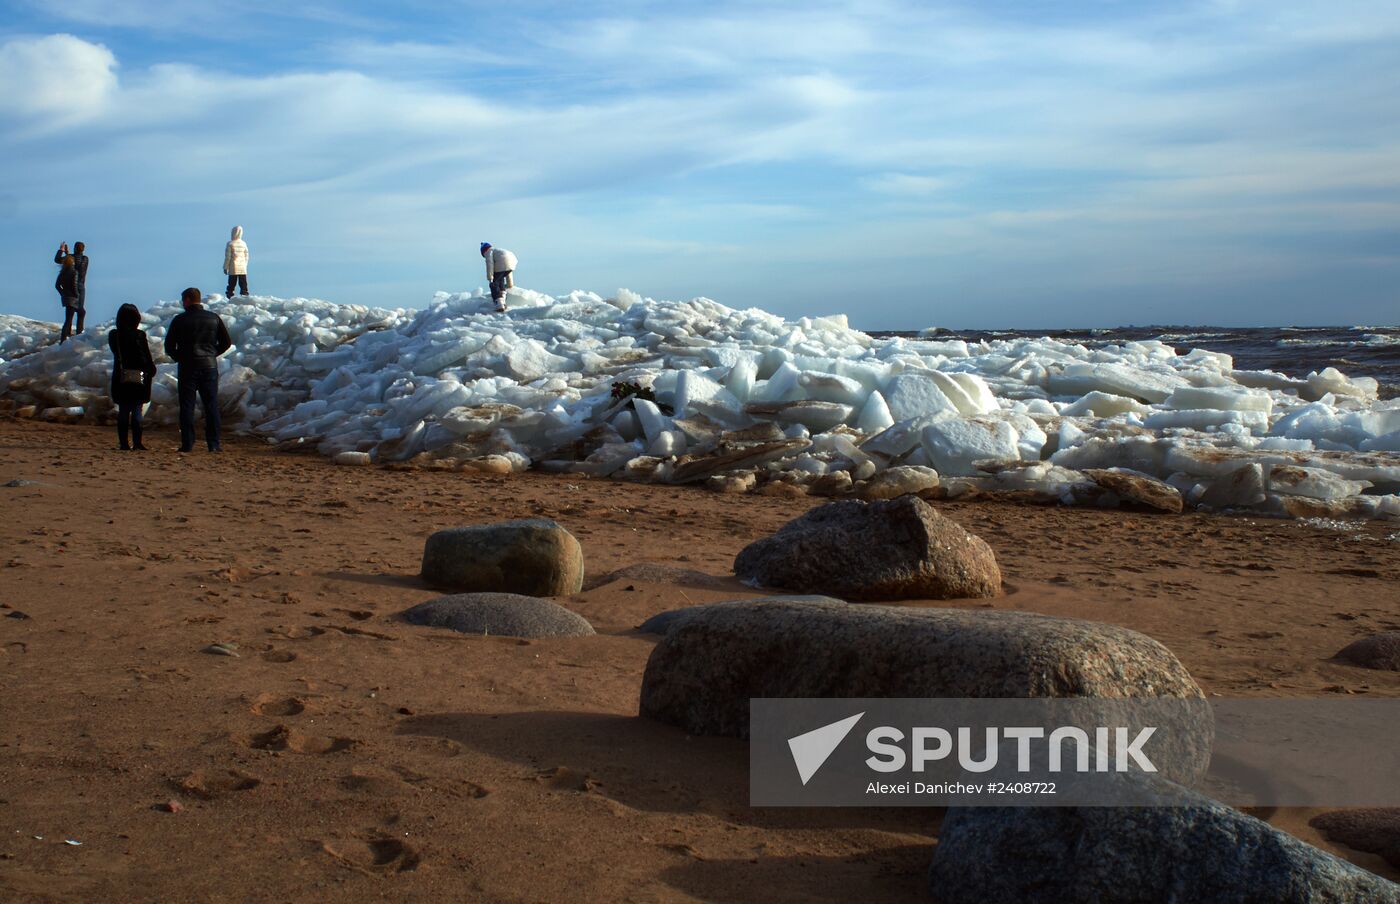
pixel 204 383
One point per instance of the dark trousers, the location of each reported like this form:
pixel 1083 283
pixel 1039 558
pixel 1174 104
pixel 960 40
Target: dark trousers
pixel 204 383
pixel 499 282
pixel 68 322
pixel 129 422
pixel 241 279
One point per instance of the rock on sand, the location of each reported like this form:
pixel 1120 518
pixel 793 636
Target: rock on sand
pixel 499 614
pixel 713 658
pixel 1379 651
pixel 535 557
pixel 892 550
pixel 1200 850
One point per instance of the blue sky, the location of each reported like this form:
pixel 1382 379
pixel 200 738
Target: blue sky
pixel 977 164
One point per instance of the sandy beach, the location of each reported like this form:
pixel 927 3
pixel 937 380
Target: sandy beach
pixel 345 755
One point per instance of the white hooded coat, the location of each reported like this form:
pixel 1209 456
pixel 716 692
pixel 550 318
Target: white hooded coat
pixel 500 260
pixel 236 254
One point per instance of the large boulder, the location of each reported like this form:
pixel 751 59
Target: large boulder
pixel 535 557
pixel 499 614
pixel 1195 850
pixel 712 659
pixel 892 550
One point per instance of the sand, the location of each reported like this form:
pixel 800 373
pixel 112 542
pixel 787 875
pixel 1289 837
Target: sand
pixel 343 755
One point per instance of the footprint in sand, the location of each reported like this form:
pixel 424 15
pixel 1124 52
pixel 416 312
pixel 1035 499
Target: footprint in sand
pixel 275 705
pixel 284 737
pixel 218 783
pixel 377 855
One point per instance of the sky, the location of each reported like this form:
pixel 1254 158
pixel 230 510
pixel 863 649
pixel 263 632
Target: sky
pixel 980 164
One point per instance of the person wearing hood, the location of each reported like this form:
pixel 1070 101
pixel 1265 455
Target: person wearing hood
pixel 132 372
pixel 500 272
pixel 67 286
pixel 236 263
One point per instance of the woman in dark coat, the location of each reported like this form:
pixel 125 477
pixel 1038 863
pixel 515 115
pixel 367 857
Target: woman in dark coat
pixel 132 373
pixel 67 286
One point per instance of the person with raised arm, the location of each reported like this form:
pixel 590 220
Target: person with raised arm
pixel 80 265
pixel 67 286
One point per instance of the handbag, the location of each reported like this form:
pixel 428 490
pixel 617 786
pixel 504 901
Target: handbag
pixel 128 376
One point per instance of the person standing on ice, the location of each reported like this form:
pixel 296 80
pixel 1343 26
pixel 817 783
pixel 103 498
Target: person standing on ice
pixel 80 263
pixel 236 263
pixel 500 270
pixel 67 286
pixel 195 340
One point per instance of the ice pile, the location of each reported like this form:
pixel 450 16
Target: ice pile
pixel 266 373
pixel 19 336
pixel 690 391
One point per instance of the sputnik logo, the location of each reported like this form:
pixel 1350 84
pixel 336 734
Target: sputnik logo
pixel 812 749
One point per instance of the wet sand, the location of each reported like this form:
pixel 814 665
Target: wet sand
pixel 343 755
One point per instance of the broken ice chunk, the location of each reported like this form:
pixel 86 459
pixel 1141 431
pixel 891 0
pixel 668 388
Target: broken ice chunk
pixel 954 444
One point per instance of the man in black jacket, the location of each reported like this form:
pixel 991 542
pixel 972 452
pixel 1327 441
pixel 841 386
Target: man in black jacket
pixel 195 340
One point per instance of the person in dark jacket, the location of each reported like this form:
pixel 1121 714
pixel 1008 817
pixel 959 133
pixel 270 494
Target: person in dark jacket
pixel 67 286
pixel 132 373
pixel 80 267
pixel 195 340
pixel 80 262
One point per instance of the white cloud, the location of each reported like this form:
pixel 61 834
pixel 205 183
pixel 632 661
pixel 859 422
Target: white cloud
pixel 57 78
pixel 1159 135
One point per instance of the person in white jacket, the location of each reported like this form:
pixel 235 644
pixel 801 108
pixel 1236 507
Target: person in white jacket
pixel 500 270
pixel 236 263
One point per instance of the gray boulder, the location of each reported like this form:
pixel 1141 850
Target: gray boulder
pixel 713 659
pixel 534 556
pixel 1195 851
pixel 898 549
pixel 498 614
